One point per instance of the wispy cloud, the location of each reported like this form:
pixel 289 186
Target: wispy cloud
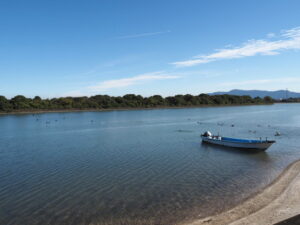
pixel 290 39
pixel 143 34
pixel 125 82
pixel 284 80
pixel 271 35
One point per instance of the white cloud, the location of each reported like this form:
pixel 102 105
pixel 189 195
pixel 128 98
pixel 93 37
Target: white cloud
pixel 125 82
pixel 271 35
pixel 290 39
pixel 284 80
pixel 143 34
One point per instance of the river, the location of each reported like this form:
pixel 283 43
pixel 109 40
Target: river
pixel 139 166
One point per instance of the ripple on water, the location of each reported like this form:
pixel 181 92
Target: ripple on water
pixel 136 167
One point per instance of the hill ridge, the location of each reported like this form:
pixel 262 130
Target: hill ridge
pixel 279 94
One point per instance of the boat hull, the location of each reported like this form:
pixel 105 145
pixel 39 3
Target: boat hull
pixel 259 145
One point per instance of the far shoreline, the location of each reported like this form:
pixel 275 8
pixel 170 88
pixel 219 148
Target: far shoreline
pixel 39 111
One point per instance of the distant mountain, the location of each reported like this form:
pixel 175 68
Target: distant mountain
pixel 280 94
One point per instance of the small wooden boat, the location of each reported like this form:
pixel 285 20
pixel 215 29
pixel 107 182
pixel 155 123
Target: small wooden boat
pixel 207 137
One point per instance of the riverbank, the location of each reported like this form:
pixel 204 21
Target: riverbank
pixel 121 109
pixel 277 202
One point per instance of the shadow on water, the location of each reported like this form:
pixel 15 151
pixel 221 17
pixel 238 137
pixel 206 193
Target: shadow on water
pixel 252 153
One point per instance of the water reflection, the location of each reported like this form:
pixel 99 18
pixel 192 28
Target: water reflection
pixel 137 167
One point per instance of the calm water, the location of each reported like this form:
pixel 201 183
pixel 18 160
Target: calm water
pixel 136 167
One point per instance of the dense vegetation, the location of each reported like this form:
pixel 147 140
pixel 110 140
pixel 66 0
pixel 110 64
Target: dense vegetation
pixel 21 103
pixel 290 100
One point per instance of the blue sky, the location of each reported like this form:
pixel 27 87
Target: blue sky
pixel 73 48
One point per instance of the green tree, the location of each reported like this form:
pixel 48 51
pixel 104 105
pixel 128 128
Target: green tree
pixel 268 99
pixel 20 102
pixel 155 100
pixel 5 104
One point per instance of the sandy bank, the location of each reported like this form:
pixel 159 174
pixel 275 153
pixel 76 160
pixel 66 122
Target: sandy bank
pixel 277 202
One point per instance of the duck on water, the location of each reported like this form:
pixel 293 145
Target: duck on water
pixel 207 137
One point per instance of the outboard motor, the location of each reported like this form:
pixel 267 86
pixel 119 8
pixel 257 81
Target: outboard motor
pixel 207 134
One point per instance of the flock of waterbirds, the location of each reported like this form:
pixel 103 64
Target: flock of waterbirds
pixel 48 122
pixel 277 133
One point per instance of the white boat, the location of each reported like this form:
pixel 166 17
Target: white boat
pixel 207 137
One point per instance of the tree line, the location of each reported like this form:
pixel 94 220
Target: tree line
pixel 291 100
pixel 21 103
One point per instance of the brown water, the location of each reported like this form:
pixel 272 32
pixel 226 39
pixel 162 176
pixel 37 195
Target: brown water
pixel 137 167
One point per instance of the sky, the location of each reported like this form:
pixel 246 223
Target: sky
pixel 54 48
